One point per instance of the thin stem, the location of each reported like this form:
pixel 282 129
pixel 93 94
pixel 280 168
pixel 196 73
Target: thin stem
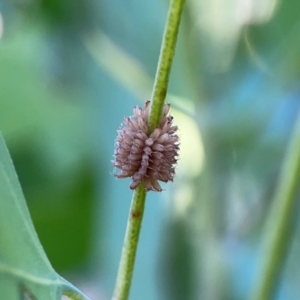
pixel 130 243
pixel 134 223
pixel 279 229
pixel 165 62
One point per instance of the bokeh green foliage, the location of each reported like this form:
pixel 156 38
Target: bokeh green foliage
pixel 46 137
pixel 236 82
pixel 25 271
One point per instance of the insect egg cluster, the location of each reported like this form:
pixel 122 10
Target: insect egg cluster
pixel 151 158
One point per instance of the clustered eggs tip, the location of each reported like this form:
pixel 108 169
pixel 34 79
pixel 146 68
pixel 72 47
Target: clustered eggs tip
pixel 151 158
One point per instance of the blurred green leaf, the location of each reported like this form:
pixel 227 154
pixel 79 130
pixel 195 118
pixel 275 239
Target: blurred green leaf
pixel 25 271
pixel 43 125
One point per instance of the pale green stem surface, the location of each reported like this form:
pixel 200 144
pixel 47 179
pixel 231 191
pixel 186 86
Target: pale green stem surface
pixel 165 62
pixel 134 223
pixel 130 243
pixel 279 230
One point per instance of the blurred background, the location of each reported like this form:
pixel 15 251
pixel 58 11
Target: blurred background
pixel 71 70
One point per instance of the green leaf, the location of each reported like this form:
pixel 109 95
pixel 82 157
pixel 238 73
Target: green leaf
pixel 25 271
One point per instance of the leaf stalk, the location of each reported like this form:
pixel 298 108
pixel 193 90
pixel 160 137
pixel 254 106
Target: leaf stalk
pixel 279 229
pixel 136 213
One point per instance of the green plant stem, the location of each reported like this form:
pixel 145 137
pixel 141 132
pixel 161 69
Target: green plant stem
pixel 165 62
pixel 134 223
pixel 130 243
pixel 279 230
